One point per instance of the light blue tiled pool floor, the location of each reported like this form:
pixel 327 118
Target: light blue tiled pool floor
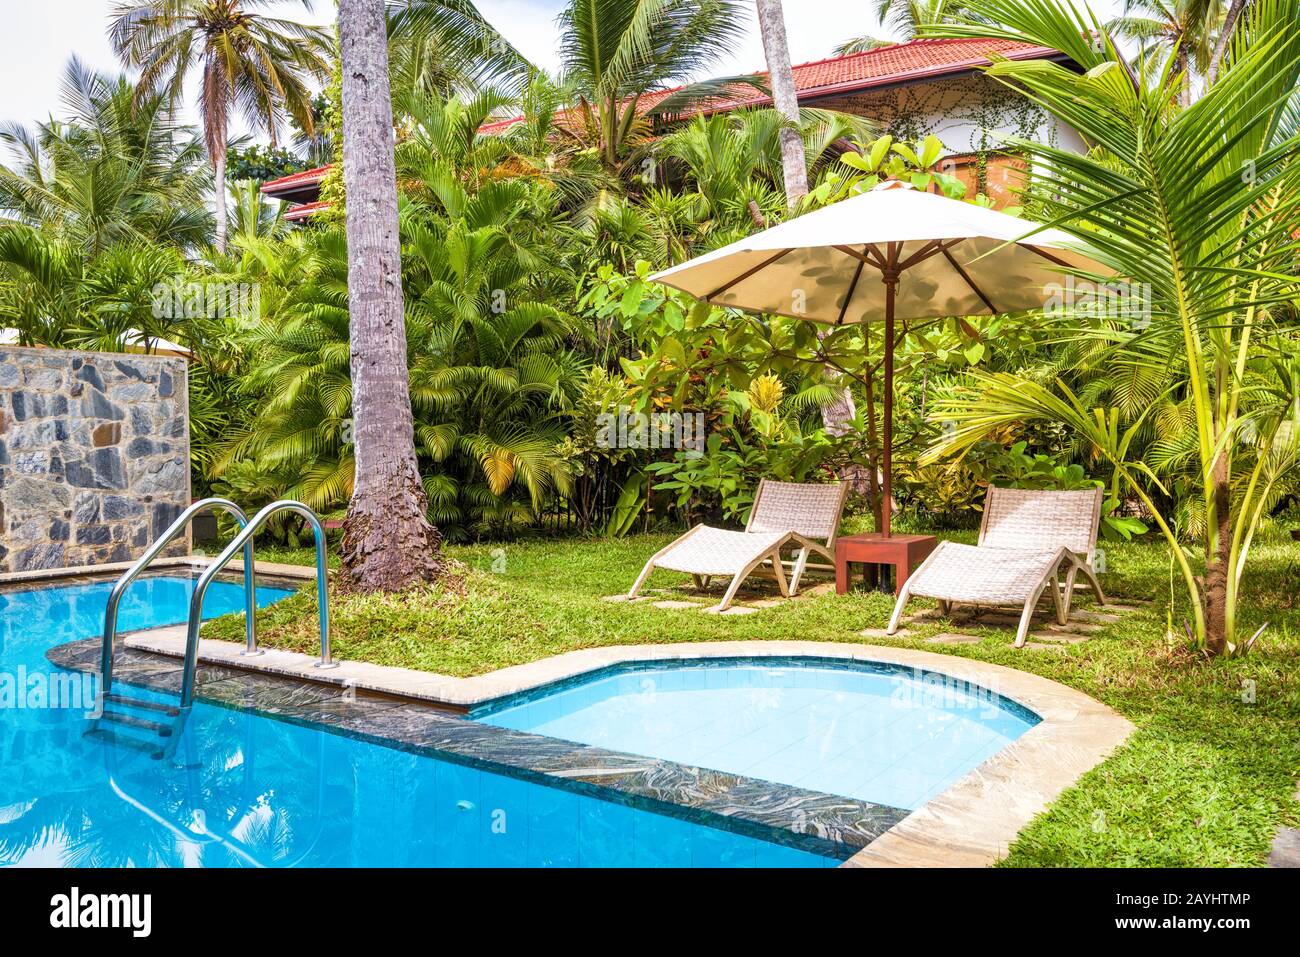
pixel 888 738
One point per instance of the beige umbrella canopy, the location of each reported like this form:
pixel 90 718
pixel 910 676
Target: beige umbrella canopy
pixel 889 254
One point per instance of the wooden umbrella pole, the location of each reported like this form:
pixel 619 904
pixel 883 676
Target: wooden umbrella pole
pixel 890 279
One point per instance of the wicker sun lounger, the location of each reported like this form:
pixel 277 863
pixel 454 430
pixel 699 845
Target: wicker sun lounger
pixel 1027 538
pixel 784 513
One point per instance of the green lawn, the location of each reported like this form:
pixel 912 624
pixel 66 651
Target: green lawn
pixel 1206 779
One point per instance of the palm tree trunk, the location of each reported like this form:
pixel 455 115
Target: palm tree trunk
pixel 388 542
pixel 1218 560
pixel 1225 37
pixel 219 192
pixel 771 24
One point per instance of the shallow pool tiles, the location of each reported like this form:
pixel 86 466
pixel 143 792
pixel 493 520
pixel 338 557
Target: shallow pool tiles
pixel 801 727
pixel 907 765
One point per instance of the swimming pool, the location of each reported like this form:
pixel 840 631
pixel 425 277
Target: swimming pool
pixel 246 790
pixel 880 733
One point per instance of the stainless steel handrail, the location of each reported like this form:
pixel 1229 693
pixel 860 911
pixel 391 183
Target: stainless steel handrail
pixel 143 562
pixel 244 540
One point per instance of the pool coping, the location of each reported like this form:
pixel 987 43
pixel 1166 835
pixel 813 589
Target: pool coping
pixel 971 824
pixel 114 569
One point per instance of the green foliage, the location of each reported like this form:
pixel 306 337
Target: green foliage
pixel 886 158
pixel 492 374
pixel 261 163
pixel 721 482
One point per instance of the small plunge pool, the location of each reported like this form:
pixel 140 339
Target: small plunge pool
pixel 877 732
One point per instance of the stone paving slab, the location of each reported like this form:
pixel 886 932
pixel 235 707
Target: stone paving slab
pixel 1059 638
pixel 954 638
pixel 1286 848
pixel 1285 851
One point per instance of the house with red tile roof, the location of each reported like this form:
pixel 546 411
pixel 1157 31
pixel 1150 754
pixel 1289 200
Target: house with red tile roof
pixel 908 89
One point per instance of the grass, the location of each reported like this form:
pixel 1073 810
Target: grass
pixel 1206 779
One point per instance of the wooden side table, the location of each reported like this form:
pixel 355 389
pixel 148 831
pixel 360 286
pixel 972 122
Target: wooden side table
pixel 904 552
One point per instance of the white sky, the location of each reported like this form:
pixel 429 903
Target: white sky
pixel 40 35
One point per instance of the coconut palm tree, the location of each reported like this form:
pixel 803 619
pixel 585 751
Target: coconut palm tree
pixel 1185 30
pixel 249 62
pixel 616 52
pixel 905 19
pixel 446 46
pixel 116 169
pixel 771 25
pixel 1230 18
pixel 388 542
pixel 1197 208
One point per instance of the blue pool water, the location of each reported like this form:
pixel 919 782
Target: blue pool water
pixel 246 790
pixel 876 733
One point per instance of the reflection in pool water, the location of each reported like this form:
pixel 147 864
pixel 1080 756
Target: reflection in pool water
pixel 247 790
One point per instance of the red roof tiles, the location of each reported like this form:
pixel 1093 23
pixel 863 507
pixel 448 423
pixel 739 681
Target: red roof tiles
pixel 885 66
pixel 295 180
pixel 871 69
pixel 303 210
pixel 882 67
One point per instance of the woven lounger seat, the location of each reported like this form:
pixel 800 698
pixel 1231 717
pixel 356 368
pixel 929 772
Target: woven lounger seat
pixel 718 551
pixel 1028 538
pixel 784 513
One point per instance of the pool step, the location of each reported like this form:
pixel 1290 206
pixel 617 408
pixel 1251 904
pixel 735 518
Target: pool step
pixel 170 710
pixel 126 740
pixel 143 724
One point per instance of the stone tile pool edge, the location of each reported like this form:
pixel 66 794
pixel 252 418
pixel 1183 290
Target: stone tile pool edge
pixel 829 825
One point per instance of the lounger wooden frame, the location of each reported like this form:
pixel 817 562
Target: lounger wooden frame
pixel 1042 531
pixel 806 516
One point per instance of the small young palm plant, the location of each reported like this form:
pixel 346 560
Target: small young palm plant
pixel 1195 210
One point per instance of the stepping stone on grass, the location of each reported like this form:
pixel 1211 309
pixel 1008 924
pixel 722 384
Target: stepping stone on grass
pixel 1073 628
pixel 1286 848
pixel 954 638
pixel 733 610
pixel 1058 637
pixel 1094 616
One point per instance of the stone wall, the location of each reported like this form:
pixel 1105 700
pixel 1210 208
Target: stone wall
pixel 94 455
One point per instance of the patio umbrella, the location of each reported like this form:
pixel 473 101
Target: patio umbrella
pixel 894 253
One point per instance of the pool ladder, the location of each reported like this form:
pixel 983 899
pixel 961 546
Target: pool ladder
pixel 164 722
